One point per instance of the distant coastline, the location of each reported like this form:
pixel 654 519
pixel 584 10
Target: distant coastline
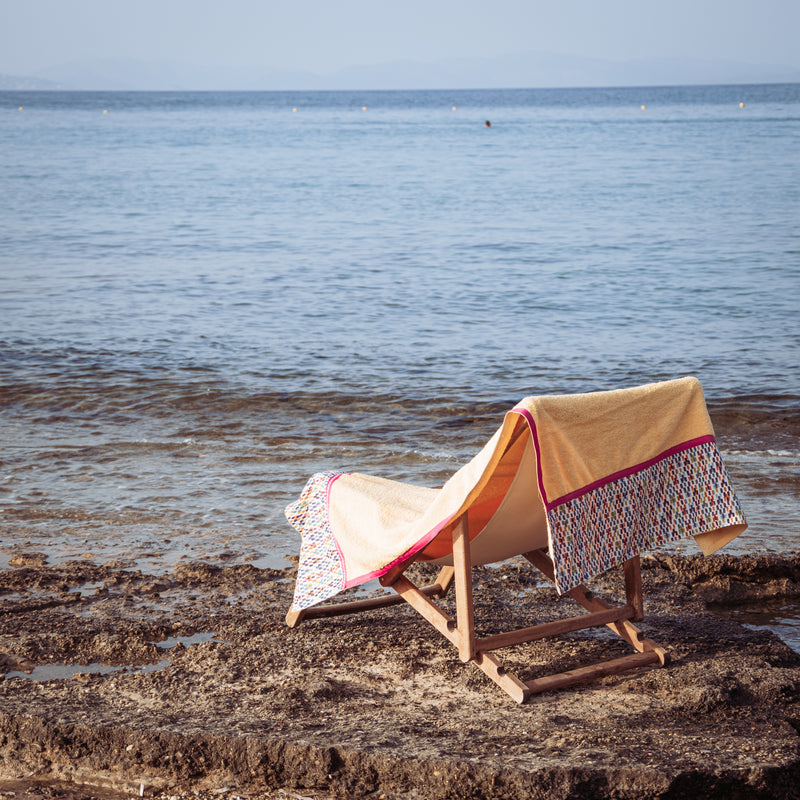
pixel 45 88
pixel 512 71
pixel 26 83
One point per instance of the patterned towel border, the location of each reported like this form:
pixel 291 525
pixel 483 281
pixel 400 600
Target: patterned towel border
pixel 684 493
pixel 321 571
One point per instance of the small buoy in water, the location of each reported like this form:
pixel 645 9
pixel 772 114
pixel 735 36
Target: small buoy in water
pixel 488 124
pixel 20 108
pixel 363 108
pixel 643 108
pixel 741 105
pixel 454 108
pixel 105 111
pixel 294 110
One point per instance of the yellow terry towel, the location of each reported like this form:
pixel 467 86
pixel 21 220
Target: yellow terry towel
pixel 618 473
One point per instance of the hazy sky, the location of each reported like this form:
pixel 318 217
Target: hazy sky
pixel 327 35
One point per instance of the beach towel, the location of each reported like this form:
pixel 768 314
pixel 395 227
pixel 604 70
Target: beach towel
pixel 618 472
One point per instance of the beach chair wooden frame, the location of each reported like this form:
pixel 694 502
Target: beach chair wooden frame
pixel 558 510
pixel 480 650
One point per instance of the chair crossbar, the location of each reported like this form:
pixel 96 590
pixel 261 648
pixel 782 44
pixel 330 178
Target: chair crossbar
pixel 582 674
pixel 555 628
pixel 353 606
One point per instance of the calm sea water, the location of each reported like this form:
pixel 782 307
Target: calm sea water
pixel 204 298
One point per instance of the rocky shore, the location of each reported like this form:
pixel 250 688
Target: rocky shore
pixel 117 683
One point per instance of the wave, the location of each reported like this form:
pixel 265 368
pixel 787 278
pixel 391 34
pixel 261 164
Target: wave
pixel 765 421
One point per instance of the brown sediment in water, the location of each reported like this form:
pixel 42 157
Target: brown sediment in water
pixel 216 696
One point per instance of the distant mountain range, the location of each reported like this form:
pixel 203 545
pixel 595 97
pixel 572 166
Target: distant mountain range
pixel 521 70
pixel 25 82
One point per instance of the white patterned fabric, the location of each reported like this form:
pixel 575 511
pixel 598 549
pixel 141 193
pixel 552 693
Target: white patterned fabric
pixel 320 572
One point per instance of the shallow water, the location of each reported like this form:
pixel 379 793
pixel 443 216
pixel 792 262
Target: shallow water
pixel 780 616
pixel 56 672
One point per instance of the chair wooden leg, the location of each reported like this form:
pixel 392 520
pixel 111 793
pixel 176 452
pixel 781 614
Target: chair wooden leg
pixel 624 629
pixel 463 577
pixel 445 580
pixel 443 622
pixel 633 587
pixel 507 681
pixel 294 618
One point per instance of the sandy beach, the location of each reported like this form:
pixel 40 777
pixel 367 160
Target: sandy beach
pixel 204 692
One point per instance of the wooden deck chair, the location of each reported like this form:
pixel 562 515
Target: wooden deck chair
pixel 508 513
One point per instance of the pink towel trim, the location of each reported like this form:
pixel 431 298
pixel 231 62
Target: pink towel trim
pixel 535 436
pixel 412 551
pixel 623 473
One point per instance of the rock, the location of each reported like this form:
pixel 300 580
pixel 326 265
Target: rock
pixel 27 560
pixel 379 704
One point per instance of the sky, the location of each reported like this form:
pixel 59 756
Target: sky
pixel 323 36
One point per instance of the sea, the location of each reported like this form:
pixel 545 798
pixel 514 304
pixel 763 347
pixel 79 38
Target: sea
pixel 205 297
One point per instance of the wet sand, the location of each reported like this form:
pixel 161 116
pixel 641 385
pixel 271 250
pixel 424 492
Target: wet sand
pixel 215 697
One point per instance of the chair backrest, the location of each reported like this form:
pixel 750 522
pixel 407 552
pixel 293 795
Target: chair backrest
pixel 519 523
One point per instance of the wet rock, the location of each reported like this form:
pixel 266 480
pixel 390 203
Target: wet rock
pixel 13 661
pixel 379 704
pixel 27 560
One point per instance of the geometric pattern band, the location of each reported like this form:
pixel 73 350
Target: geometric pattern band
pixel 683 494
pixel 320 573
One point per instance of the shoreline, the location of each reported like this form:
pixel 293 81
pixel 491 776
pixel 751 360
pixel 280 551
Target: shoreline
pixel 212 693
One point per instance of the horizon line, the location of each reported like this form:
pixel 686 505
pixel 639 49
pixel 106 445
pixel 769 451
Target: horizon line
pixel 429 89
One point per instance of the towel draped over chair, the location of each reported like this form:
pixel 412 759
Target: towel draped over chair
pixel 615 473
